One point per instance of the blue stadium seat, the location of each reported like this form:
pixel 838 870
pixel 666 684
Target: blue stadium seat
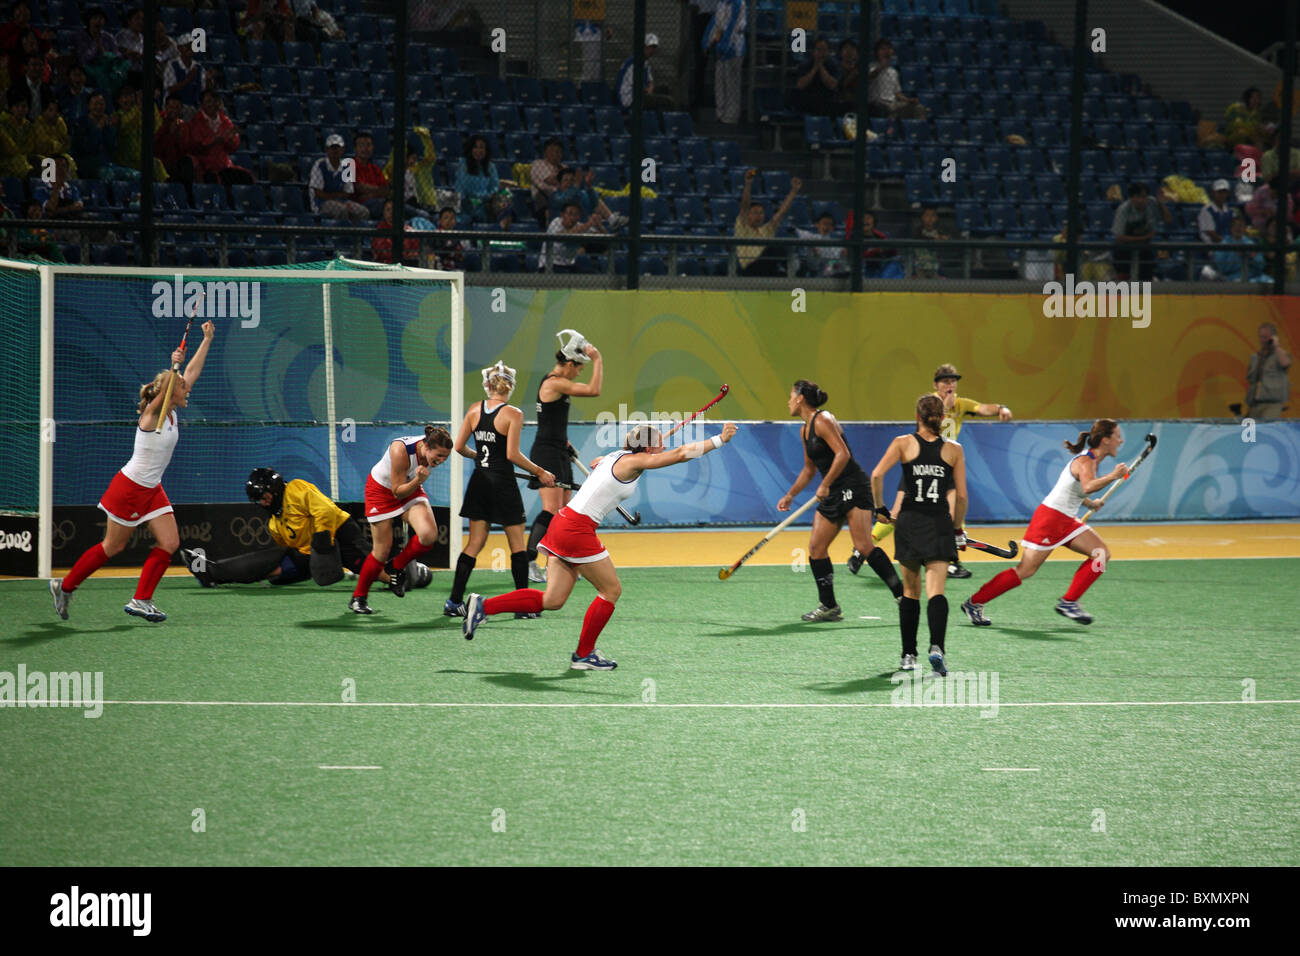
pixel 609 121
pixel 321 112
pixel 493 89
pixel 561 93
pixel 526 89
pixel 676 180
pixel 459 89
pixel 209 197
pixel 263 52
pixel 264 137
pixel 315 83
pixel 1002 218
pixel 383 84
pixel 769 104
pixel 726 152
pixel 709 181
pixel 1100 216
pixel 539 120
pixel 290 200
pixel 1139 135
pixel 372 55
pixel 170 196
pixel 1037 218
pixel 280 80
pixel 981 130
pixel 986 187
pixel 304 140
pixel 662 148
pixel 249 108
pixel 1055 106
pixel 362 112
pixel 298 54
pixel 724 210
pixel 1046 133
pixel 225 50
pixel 590 148
pixel 948 130
pixel 1050 188
pixel 506 119
pixel 470 117
pixel 595 93
pixel 916 130
pixel 336 56
pixel 695 152
pixel 575 120
pixel 249 198
pixel 919 188
pixel 215 22
pixel 442 60
pixel 521 146
pixel 678 125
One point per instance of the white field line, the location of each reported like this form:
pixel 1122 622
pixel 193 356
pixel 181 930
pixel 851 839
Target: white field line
pixel 683 706
pixel 331 767
pixel 1010 769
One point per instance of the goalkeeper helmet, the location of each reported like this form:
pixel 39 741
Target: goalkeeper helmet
pixel 574 349
pixel 263 481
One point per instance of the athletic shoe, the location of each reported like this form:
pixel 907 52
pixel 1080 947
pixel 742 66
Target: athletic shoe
pixel 358 605
pixel 975 612
pixel 474 616
pixel 955 570
pixel 144 609
pixel 595 661
pixel 191 561
pixel 396 580
pixel 452 609
pixel 527 615
pixel 1072 610
pixel 855 562
pixel 908 663
pixel 936 660
pixel 824 613
pixel 536 573
pixel 61 597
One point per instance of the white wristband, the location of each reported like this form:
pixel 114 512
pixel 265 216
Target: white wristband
pixel 717 441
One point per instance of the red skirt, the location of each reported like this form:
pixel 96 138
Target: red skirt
pixel 130 504
pixel 1049 529
pixel 382 505
pixel 572 537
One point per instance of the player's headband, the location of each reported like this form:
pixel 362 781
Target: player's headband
pixel 500 370
pixel 573 348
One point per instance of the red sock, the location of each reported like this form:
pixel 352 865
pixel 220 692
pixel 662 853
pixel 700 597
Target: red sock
pixel 525 600
pixel 152 573
pixel 412 550
pixel 1083 579
pixel 598 615
pixel 91 561
pixel 370 569
pixel 1000 584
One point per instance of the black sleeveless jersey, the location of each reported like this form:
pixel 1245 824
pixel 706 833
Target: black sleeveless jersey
pixel 927 479
pixel 491 443
pixel 552 419
pixel 821 455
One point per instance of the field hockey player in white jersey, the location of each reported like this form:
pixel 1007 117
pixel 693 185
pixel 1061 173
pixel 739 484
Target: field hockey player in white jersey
pixel 135 496
pixel 572 543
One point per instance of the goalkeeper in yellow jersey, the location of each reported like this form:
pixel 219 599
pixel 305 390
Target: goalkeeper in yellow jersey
pixel 314 538
pixel 956 410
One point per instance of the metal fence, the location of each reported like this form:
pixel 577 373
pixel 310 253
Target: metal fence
pixel 726 143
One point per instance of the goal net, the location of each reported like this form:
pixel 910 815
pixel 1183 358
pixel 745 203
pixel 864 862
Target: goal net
pixel 313 370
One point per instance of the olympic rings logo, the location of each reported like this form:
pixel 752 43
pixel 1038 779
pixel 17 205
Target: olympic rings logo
pixel 250 531
pixel 63 532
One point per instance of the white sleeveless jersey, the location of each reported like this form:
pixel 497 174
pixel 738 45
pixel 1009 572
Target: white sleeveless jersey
pixel 602 491
pixel 383 470
pixel 1067 495
pixel 153 452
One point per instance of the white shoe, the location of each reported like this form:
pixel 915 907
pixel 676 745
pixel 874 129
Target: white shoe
pixel 61 597
pixel 536 573
pixel 145 609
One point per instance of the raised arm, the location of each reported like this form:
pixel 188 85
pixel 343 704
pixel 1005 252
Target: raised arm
pixel 988 410
pixel 629 466
pixel 744 193
pixel 200 355
pixel 582 389
pixel 795 185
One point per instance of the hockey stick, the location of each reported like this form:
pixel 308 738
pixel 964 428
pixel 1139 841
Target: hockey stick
pixel 721 395
pixel 523 476
pixel 1010 551
pixel 1151 443
pixel 176 367
pixel 724 573
pixel 633 519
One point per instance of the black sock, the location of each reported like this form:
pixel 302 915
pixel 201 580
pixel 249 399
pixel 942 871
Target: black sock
pixel 824 574
pixel 909 619
pixel 936 613
pixel 464 565
pixel 540 524
pixel 519 568
pixel 884 569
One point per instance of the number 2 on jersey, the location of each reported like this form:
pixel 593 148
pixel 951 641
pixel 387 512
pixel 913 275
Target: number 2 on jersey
pixel 932 494
pixel 486 450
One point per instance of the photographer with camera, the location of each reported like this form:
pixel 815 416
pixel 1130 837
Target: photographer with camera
pixel 1267 386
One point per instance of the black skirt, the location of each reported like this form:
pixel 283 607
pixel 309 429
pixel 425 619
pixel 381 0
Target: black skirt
pixel 920 536
pixel 843 499
pixel 494 500
pixel 555 459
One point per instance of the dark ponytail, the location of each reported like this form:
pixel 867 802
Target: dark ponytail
pixel 813 395
pixel 929 410
pixel 436 437
pixel 1101 429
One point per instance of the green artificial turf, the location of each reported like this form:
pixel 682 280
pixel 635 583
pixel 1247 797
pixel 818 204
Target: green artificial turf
pixel 648 781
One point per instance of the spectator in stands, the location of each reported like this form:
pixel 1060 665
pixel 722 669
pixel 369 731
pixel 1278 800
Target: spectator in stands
pixel 1269 164
pixel 651 100
pixel 331 193
pixel 97 51
pixel 130 39
pixel 50 136
pixel 165 48
pixel 94 141
pixel 1236 264
pixel 564 255
pixel 130 128
pixel 35 241
pixel 578 186
pixel 544 178
pixel 1268 234
pixel 171 143
pixel 1263 203
pixel 184 76
pixel 884 92
pixel 823 261
pixel 421 191
pixel 848 69
pixel 372 185
pixel 817 84
pixel 275 17
pixel 447 253
pixel 1267 387
pixel 926 262
pixel 726 37
pixel 60 199
pixel 877 261
pixel 212 138
pixel 39 92
pixel 74 99
pixel 478 183
pixel 20 20
pixel 1241 121
pixel 312 20
pixel 752 223
pixel 1134 228
pixel 1216 216
pixel 381 246
pixel 15 136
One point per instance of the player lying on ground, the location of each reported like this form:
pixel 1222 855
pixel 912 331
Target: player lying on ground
pixel 576 551
pixel 929 523
pixel 844 495
pixel 394 488
pixel 135 496
pixel 314 539
pixel 1054 525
